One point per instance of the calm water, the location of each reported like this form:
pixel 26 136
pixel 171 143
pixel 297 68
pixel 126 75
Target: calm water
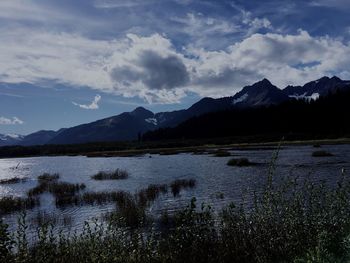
pixel 212 174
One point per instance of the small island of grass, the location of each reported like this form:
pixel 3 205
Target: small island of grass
pixel 117 174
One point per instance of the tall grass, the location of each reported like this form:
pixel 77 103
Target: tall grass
pixel 177 185
pixel 13 204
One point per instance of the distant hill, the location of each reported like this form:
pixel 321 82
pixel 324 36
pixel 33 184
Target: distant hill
pixel 130 125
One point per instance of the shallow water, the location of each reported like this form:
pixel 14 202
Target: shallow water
pixel 212 174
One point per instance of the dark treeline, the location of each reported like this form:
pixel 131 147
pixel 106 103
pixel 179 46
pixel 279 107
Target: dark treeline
pixel 326 117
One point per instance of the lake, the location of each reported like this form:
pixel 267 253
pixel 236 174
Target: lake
pixel 217 184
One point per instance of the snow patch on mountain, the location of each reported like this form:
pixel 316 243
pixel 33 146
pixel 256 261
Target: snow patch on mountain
pixel 240 99
pixel 10 137
pixel 152 121
pixel 313 96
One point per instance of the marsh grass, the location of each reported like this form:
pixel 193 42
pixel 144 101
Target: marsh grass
pixel 64 193
pixel 117 174
pixel 321 154
pixel 14 180
pixel 14 204
pixel 151 193
pixel 240 162
pixel 222 153
pixel 46 177
pixel 43 218
pixel 177 185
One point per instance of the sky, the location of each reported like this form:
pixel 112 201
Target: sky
pixel 65 62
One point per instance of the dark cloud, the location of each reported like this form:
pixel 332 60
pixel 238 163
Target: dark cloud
pixel 156 72
pixel 163 73
pixel 228 77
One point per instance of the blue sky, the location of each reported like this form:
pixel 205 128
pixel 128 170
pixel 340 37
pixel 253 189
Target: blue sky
pixel 65 62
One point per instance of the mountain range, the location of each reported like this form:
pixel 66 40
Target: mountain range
pixel 130 125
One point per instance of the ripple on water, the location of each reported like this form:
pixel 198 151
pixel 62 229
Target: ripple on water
pixel 212 175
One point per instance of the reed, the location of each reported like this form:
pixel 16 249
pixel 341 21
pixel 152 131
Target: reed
pixel 13 180
pixel 177 185
pixel 117 174
pixel 12 204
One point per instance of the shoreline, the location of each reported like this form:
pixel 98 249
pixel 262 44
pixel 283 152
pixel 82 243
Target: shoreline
pixel 200 149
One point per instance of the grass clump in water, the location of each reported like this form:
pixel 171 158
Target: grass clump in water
pixel 240 162
pixel 321 154
pixel 11 204
pixel 13 180
pixel 222 153
pixel 64 193
pixel 115 175
pixel 177 185
pixel 151 193
pixel 46 177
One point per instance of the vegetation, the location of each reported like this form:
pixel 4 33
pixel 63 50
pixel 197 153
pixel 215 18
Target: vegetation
pixel 12 204
pixel 239 162
pixel 321 154
pixel 13 180
pixel 222 153
pixel 63 192
pixel 46 177
pixel 118 174
pixel 177 185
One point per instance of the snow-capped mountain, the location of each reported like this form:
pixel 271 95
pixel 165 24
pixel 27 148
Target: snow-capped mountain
pixel 317 88
pixel 10 139
pixel 129 125
pixel 262 93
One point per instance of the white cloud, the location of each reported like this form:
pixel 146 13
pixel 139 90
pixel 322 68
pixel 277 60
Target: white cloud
pixel 334 3
pixel 151 68
pixel 284 59
pixel 10 121
pixel 92 106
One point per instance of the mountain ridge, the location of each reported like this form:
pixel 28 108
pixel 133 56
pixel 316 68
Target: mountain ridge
pixel 129 125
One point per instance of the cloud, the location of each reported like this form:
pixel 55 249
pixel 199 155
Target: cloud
pixel 154 71
pixel 9 121
pixel 152 68
pixel 122 3
pixel 333 3
pixel 284 59
pixel 92 106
